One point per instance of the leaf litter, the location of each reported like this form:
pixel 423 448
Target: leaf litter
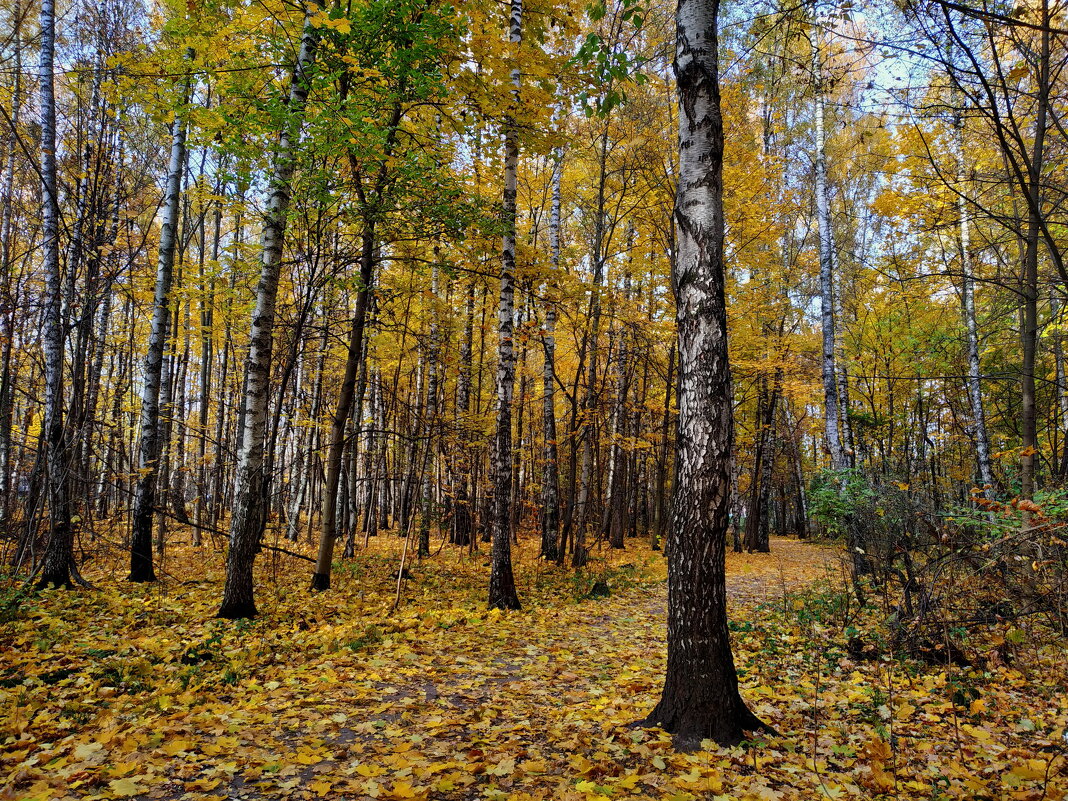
pixel 128 691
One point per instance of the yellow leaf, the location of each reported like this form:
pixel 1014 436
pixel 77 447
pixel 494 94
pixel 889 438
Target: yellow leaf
pixel 124 788
pixel 320 787
pixel 404 790
pixel 175 747
pixel 87 750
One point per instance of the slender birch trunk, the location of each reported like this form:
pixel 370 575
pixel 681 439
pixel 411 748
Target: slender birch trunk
pixel 462 514
pixel 144 508
pixel 430 429
pixel 58 565
pixel 586 428
pixel 1060 461
pixel 502 593
pixel 251 484
pixel 550 481
pixel 661 509
pixel 832 412
pixel 975 395
pixel 7 299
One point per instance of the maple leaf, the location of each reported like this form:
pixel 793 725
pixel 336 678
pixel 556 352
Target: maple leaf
pixel 125 788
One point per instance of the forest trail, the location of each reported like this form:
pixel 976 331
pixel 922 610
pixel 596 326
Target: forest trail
pixel 506 702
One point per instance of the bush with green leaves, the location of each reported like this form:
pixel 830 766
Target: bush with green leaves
pixel 835 498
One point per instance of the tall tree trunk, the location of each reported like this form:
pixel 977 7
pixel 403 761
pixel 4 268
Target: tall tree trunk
pixel 756 525
pixel 586 429
pixel 8 299
pixel 353 358
pixel 1060 461
pixel 502 593
pixel 462 514
pixel 144 507
pixel 550 477
pixel 975 395
pixel 430 428
pixel 700 698
pixel 661 509
pixel 58 565
pixel 832 413
pixel 207 365
pixel 1029 288
pixel 251 484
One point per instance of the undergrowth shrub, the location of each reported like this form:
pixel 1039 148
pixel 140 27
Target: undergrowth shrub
pixel 940 576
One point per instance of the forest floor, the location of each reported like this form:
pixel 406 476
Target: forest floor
pixel 134 691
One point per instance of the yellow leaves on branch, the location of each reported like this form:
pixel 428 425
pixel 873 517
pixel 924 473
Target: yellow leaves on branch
pixel 323 20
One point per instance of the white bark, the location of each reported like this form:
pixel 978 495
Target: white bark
pixel 502 593
pixel 247 522
pixel 141 568
pixel 832 401
pixel 975 395
pixel 550 492
pixel 59 555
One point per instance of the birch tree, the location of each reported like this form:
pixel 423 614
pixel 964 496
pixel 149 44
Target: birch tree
pixel 700 698
pixel 967 293
pixel 550 482
pixel 832 401
pixel 141 569
pixel 58 565
pixel 251 484
pixel 502 593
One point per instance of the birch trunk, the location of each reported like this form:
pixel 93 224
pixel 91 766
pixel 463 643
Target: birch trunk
pixel 975 395
pixel 586 429
pixel 430 429
pixel 550 489
pixel 832 432
pixel 58 565
pixel 661 510
pixel 462 515
pixel 141 569
pixel 502 593
pixel 8 299
pixel 700 698
pixel 1059 462
pixel 251 484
